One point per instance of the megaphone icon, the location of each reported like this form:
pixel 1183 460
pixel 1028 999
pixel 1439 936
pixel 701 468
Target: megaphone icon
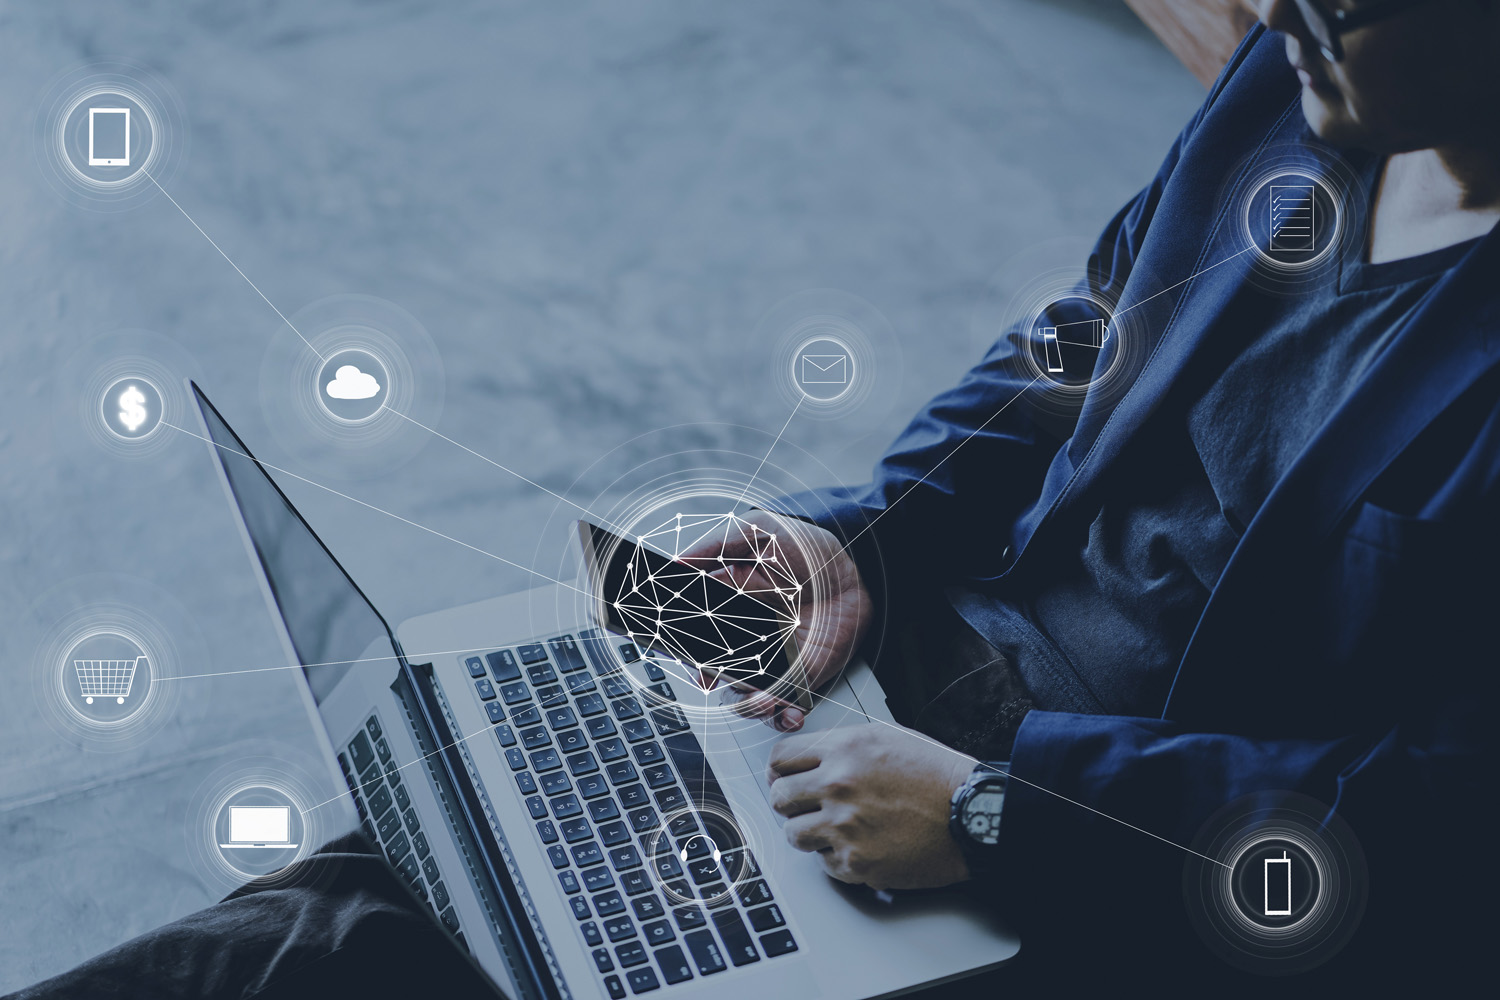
pixel 683 854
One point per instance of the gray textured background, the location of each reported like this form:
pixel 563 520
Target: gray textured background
pixel 588 205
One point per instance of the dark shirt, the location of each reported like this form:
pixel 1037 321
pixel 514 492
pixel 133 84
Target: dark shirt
pixel 1118 609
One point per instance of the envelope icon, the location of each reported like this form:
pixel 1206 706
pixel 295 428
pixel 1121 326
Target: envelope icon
pixel 824 369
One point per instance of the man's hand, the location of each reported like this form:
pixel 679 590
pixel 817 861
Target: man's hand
pixel 873 801
pixel 833 606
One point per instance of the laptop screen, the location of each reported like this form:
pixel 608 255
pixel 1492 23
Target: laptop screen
pixel 332 625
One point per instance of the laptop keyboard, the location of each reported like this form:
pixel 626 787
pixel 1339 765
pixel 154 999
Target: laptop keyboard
pixel 388 819
pixel 624 804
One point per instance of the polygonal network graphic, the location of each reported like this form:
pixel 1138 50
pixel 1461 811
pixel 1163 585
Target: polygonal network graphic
pixel 734 626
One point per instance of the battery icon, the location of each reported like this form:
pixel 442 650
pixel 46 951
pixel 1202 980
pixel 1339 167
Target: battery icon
pixel 1278 894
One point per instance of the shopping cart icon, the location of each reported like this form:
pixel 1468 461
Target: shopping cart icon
pixel 107 678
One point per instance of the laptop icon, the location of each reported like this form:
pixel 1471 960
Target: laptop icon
pixel 268 827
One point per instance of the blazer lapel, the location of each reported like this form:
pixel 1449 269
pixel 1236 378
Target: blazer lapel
pixel 1449 344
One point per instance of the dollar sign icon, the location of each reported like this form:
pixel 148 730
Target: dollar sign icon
pixel 132 412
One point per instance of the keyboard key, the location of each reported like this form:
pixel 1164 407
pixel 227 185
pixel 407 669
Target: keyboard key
pixel 475 665
pixel 546 760
pixel 430 869
pixel 740 864
pixel 409 816
pixel 572 740
pixel 715 895
pixel 503 666
pixel 778 943
pixel 495 711
pixel 682 824
pixel 643 820
pixel 705 952
pixel 568 881
pixel 449 919
pixel 592 786
pixel 556 783
pixel 542 673
pixel 658 932
pixel 634 796
pixel 766 917
pixel 591 935
pixel 688 917
pixel 580 908
pixel 360 752
pixel 380 801
pixel 618 928
pixel 419 842
pixel 440 898
pixel 528 716
pixel 579 683
pixel 585 854
pixel 515 693
pixel 516 759
pixel 535 738
pixel 566 806
pixel 566 654
pixel 620 772
pixel 611 749
pixel 531 653
pixel 591 704
pixel 625 708
pixel 552 696
pixel 670 720
pixel 388 824
pixel 674 964
pixel 648 907
pixel 635 882
pixel 582 763
pixel 616 686
pixel 658 775
pixel 629 653
pixel 574 830
pixel 642 980
pixel 625 857
pixel 601 727
pixel 614 833
pixel 505 735
pixel 598 878
pixel 754 894
pixel 602 960
pixel 654 671
pixel 667 866
pixel 547 831
pixel 398 848
pixel 648 753
pixel 631 953
pixel 558 856
pixel 485 688
pixel 615 987
pixel 603 810
pixel 670 800
pixel 663 690
pixel 537 806
pixel 636 730
pixel 737 941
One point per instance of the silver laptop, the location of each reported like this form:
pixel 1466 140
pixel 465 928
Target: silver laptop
pixel 560 805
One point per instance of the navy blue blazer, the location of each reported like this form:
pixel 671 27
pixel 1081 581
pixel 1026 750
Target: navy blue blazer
pixel 1346 653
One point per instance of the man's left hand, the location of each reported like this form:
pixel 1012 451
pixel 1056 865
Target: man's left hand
pixel 872 800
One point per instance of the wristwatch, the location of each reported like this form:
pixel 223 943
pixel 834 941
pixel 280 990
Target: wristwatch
pixel 974 815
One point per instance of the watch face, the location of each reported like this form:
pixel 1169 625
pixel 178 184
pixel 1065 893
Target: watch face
pixel 981 816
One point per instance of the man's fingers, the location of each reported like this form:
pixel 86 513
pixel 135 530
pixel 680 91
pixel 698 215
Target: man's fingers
pixel 795 794
pixel 794 755
pixel 807 833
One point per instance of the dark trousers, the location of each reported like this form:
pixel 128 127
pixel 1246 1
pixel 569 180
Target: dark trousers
pixel 345 925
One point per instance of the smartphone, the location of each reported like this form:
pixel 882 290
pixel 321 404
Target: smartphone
pixel 615 566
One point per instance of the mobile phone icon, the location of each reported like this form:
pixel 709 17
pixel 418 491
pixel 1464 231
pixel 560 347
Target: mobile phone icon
pixel 1278 889
pixel 109 137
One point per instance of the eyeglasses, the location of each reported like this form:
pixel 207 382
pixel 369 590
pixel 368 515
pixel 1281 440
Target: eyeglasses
pixel 1329 25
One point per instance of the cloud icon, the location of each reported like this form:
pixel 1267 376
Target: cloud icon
pixel 351 383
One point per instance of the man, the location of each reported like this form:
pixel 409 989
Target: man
pixel 1264 568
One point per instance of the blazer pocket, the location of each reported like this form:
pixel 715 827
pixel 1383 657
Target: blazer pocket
pixel 1395 533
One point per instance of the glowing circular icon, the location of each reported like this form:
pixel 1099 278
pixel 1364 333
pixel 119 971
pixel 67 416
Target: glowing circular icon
pixel 106 676
pixel 1072 344
pixel 259 829
pixel 108 136
pixel 353 386
pixel 1275 883
pixel 131 408
pixel 1293 219
pixel 824 369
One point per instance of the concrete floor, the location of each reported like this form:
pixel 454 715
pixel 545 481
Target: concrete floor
pixel 587 205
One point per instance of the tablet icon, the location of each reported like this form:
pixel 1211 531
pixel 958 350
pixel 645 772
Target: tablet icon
pixel 109 137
